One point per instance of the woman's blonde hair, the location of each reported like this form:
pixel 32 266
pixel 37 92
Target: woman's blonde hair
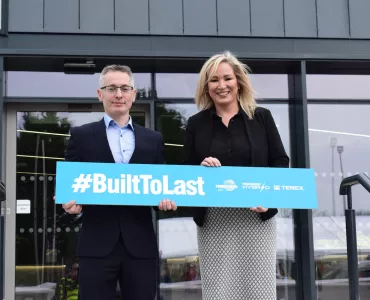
pixel 245 93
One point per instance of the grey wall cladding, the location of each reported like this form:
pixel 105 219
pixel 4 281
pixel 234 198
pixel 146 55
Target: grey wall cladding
pixel 200 17
pixel 166 17
pixel 332 18
pixel 61 16
pixel 26 15
pixel 300 18
pixel 258 18
pixel 131 16
pixel 359 18
pixel 267 18
pixel 97 16
pixel 233 17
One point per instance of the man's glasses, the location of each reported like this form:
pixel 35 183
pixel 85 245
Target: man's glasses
pixel 112 89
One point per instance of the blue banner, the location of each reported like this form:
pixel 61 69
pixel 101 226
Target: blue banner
pixel 136 184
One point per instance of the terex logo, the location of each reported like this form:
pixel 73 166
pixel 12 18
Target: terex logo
pixel 229 185
pixel 292 188
pixel 255 186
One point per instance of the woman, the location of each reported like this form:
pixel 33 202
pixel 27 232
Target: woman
pixel 237 245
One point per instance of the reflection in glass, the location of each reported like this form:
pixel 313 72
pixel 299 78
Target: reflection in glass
pixel 57 84
pixel 184 85
pixel 338 86
pixel 180 275
pixel 270 86
pixel 46 236
pixel 176 85
pixel 339 147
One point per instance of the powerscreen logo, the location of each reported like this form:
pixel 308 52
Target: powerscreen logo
pixel 229 185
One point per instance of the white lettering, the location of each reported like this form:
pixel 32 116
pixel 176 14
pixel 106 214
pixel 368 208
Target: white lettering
pixel 136 182
pixel 111 189
pixel 166 191
pixel 123 184
pixel 145 183
pixel 192 189
pixel 200 183
pixel 255 186
pixel 292 188
pixel 156 187
pixel 180 187
pixel 99 183
pixel 129 184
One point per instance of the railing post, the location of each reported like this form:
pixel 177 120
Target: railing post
pixel 350 215
pixel 352 248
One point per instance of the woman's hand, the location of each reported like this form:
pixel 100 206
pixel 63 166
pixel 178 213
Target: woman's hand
pixel 211 162
pixel 259 209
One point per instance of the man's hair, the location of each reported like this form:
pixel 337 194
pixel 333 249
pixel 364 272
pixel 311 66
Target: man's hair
pixel 116 68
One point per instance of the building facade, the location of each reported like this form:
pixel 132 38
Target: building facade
pixel 310 64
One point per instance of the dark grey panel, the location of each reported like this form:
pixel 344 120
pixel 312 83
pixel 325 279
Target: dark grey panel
pixel 359 12
pixel 131 16
pixel 97 16
pixel 200 17
pixel 61 16
pixel 26 16
pixel 300 18
pixel 162 22
pixel 267 18
pixel 332 18
pixel 233 17
pixel 119 46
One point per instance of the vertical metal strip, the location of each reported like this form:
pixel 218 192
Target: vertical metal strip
pixel 10 211
pixel 303 229
pixel 2 173
pixel 2 122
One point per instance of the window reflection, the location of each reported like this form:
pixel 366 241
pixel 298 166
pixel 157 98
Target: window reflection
pixel 337 86
pixel 177 234
pixel 270 86
pixel 46 236
pixel 176 85
pixel 58 84
pixel 339 148
pixel 184 85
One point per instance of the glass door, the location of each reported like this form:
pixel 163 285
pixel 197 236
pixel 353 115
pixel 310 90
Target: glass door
pixel 40 238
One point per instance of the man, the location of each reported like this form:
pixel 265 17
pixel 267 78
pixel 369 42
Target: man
pixel 68 288
pixel 116 243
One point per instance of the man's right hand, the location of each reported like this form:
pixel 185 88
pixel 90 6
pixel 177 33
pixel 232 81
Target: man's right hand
pixel 71 207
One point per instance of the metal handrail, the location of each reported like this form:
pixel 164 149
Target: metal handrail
pixel 348 182
pixel 2 191
pixel 350 215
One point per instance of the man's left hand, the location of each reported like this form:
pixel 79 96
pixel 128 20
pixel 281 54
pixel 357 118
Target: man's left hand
pixel 167 204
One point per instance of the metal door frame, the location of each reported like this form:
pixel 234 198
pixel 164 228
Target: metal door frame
pixel 11 110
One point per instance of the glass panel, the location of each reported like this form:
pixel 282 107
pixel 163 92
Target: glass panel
pixel 180 273
pixel 170 85
pixel 45 234
pixel 338 86
pixel 57 84
pixel 270 86
pixel 184 85
pixel 339 147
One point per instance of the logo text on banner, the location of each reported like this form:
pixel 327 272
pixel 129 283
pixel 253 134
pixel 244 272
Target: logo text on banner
pixel 136 184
